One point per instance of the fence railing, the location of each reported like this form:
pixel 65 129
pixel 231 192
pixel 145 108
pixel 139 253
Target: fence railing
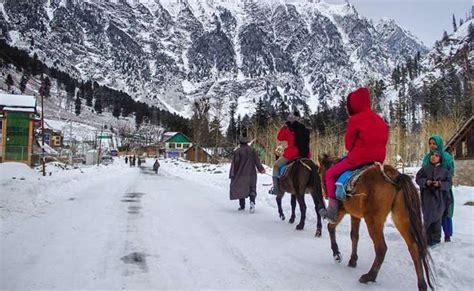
pixel 15 153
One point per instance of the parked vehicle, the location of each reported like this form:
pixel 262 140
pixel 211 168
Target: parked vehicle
pixel 107 160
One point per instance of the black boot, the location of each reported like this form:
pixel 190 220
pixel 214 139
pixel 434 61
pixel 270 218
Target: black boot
pixel 276 186
pixel 242 204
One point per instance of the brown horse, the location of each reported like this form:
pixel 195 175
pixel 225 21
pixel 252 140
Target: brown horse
pixel 379 191
pixel 302 178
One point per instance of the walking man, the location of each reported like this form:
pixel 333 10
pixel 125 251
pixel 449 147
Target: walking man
pixel 243 174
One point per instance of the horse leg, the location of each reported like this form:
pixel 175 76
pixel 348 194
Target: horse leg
pixel 319 225
pixel 376 234
pixel 355 224
pixel 293 207
pixel 332 235
pixel 280 210
pixel 302 204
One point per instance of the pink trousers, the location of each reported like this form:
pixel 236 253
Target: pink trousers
pixel 333 173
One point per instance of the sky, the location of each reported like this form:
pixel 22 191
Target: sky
pixel 426 19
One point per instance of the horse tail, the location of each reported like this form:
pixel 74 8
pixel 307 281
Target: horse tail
pixel 315 183
pixel 413 206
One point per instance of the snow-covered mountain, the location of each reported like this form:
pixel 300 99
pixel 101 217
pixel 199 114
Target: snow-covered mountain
pixel 169 52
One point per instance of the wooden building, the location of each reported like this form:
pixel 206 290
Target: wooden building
pixel 17 120
pixel 174 144
pixel 461 146
pixel 197 154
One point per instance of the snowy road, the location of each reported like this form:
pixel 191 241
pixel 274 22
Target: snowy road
pixel 132 229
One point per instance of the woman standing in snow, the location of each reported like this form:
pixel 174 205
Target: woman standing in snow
pixel 435 184
pixel 447 162
pixel 243 174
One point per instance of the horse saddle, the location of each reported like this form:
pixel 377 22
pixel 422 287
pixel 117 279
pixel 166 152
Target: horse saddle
pixel 285 169
pixel 345 184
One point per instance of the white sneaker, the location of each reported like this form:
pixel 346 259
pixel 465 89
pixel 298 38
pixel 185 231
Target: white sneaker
pixel 252 207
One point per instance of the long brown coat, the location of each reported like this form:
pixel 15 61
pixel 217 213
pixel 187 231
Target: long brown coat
pixel 243 174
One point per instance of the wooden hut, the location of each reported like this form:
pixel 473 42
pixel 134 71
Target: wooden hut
pixel 197 154
pixel 461 146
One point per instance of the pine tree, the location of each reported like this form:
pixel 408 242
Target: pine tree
pixel 24 82
pixel 45 87
pixel 9 82
pixel 282 110
pixel 70 93
pixel 116 109
pixel 445 36
pixel 77 105
pixel 261 115
pixel 88 93
pixel 200 121
pixel 215 133
pixel 231 133
pixel 35 65
pixel 455 27
pixel 471 30
pixel 98 105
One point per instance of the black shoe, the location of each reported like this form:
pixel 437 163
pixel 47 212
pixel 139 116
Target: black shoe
pixel 241 208
pixel 275 189
pixel 447 239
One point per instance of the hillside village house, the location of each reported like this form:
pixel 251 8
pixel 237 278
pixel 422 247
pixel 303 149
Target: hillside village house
pixel 17 120
pixel 174 144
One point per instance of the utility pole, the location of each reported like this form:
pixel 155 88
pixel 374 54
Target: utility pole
pixel 100 144
pixel 42 135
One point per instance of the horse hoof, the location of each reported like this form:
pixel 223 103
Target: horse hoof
pixel 318 233
pixel 352 263
pixel 300 226
pixel 338 258
pixel 292 220
pixel 367 278
pixel 282 217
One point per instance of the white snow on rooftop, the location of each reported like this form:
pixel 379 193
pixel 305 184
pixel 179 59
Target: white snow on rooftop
pixel 10 100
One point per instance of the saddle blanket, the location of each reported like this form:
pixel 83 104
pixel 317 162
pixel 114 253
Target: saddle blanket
pixel 346 182
pixel 284 169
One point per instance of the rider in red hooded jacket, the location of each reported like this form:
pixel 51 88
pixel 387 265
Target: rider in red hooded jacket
pixel 365 140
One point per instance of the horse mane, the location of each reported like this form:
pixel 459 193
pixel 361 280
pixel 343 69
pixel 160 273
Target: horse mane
pixel 326 160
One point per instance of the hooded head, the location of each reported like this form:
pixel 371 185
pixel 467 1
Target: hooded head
pixel 436 157
pixel 243 139
pixel 446 158
pixel 292 117
pixel 438 141
pixel 358 101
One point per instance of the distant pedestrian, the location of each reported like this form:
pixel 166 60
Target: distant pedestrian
pixel 134 160
pixel 435 184
pixel 156 166
pixel 126 159
pixel 243 174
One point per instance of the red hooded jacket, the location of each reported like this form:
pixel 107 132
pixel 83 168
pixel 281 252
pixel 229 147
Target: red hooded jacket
pixel 367 133
pixel 291 151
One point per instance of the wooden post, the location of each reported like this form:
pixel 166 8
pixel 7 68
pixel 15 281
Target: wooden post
pixel 42 136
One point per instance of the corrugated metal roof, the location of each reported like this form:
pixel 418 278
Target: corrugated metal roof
pixel 10 100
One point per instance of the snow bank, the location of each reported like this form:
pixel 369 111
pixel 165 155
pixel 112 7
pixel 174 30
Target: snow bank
pixel 18 184
pixel 11 170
